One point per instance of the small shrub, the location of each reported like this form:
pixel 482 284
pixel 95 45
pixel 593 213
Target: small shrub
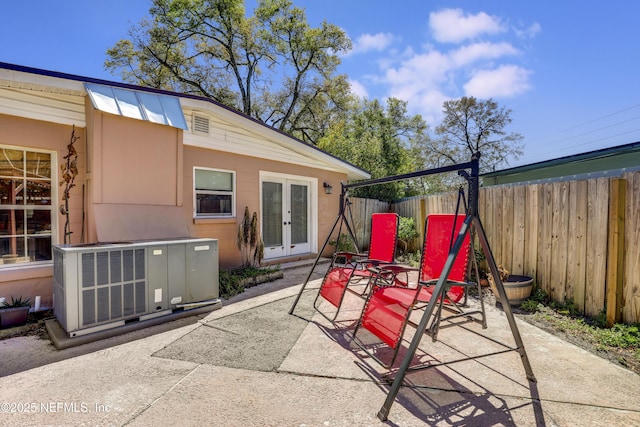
pixel 530 305
pixel 412 259
pixel 539 295
pixel 600 320
pixel 231 280
pixel 344 243
pixel 536 300
pixel 566 308
pixel 229 285
pixel 619 335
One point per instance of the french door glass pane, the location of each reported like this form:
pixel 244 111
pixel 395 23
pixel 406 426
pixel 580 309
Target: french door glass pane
pixel 299 209
pixel 272 214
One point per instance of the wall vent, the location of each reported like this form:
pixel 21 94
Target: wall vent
pixel 200 124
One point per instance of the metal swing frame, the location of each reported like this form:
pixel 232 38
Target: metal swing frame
pixel 470 171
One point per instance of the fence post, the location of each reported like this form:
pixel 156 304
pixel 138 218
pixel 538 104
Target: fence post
pixel 423 217
pixel 615 244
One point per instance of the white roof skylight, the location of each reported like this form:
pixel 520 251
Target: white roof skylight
pixel 155 108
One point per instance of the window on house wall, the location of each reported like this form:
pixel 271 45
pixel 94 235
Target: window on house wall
pixel 214 193
pixel 25 206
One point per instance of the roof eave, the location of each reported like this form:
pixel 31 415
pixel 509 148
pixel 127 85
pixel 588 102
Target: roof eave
pixel 352 171
pixel 604 152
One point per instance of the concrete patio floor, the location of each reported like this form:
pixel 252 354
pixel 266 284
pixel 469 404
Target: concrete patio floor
pixel 251 363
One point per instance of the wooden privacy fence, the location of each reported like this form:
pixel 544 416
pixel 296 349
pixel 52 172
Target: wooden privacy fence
pixel 579 240
pixel 359 215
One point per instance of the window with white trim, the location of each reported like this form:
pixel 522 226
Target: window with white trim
pixel 214 193
pixel 26 205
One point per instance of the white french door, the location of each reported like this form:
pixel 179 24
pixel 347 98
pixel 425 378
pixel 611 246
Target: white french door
pixel 287 220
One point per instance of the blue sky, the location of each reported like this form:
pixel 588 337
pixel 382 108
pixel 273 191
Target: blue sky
pixel 568 70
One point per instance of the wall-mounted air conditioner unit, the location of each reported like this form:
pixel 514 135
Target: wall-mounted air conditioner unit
pixel 102 286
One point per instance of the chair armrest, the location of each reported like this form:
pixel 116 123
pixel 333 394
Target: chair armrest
pixel 390 273
pixel 348 255
pixel 375 262
pixel 433 282
pixel 384 267
pixel 351 253
pixel 397 268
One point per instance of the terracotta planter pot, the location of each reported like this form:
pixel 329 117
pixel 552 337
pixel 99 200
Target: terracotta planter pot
pixel 13 316
pixel 517 288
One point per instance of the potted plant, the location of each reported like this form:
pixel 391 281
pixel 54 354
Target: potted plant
pixel 516 287
pixel 14 313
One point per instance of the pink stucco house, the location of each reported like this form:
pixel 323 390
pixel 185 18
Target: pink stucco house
pixel 152 165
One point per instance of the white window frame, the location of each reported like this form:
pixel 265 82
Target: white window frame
pixel 53 207
pixel 196 215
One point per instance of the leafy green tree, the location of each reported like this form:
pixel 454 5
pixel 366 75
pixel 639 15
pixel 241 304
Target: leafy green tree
pixel 470 126
pixel 377 139
pixel 407 232
pixel 272 66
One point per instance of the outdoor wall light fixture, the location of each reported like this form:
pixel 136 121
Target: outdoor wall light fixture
pixel 327 188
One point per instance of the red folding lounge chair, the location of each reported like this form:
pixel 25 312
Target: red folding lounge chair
pixel 357 267
pixel 388 308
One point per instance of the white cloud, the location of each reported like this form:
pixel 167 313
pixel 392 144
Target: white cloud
pixel 419 69
pixel 453 26
pixel 481 51
pixel 358 89
pixel 426 74
pixel 426 80
pixel 419 80
pixel 430 103
pixel 528 33
pixel 373 42
pixel 504 81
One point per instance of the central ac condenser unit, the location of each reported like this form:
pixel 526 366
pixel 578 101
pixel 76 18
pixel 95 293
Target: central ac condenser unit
pixel 102 286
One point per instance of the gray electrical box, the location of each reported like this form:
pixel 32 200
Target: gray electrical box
pixel 182 273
